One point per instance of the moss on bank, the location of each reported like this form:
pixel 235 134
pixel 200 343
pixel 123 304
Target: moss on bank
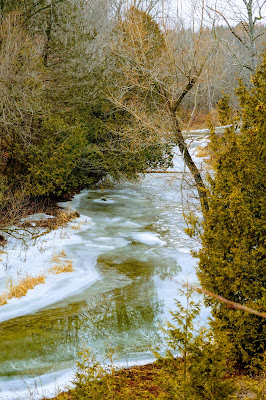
pixel 152 381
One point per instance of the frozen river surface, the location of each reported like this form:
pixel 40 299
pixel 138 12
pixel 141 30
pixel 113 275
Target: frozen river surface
pixel 129 252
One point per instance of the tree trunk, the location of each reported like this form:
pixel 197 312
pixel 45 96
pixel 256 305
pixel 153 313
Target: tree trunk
pixel 191 165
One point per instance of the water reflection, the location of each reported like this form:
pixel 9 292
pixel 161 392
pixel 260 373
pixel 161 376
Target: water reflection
pixel 125 307
pixel 127 317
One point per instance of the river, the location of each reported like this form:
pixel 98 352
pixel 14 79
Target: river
pixel 130 260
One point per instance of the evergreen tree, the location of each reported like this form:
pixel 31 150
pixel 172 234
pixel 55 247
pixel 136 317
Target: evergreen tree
pixel 58 130
pixel 200 367
pixel 232 257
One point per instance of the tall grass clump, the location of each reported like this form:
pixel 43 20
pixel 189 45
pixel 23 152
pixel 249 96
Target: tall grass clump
pixel 62 264
pixel 21 288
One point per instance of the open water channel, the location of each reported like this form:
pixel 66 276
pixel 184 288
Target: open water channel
pixel 128 262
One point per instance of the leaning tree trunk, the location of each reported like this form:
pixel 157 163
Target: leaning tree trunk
pixel 191 165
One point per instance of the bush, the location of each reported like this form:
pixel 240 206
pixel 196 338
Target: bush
pixel 199 364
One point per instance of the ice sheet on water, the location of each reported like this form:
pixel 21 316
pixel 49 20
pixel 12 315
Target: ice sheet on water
pixel 131 224
pixel 184 250
pixel 111 241
pixel 37 388
pixel 56 288
pixel 149 238
pixel 48 385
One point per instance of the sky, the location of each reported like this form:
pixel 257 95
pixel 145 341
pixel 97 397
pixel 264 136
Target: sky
pixel 233 9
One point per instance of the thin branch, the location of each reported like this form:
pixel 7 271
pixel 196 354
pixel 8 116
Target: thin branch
pixel 231 303
pixel 229 26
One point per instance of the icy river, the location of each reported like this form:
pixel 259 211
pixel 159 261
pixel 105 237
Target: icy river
pixel 129 253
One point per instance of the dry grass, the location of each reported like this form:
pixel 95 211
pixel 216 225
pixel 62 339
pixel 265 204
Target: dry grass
pixel 3 299
pixel 202 119
pixel 203 151
pixel 21 288
pixel 57 257
pixel 66 267
pixel 78 226
pixel 62 263
pixel 2 252
pixel 61 219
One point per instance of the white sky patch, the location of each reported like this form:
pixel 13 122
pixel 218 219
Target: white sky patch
pixel 189 12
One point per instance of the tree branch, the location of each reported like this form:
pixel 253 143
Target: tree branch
pixel 231 303
pixel 229 26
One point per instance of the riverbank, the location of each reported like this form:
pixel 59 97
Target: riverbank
pixel 36 269
pixel 152 381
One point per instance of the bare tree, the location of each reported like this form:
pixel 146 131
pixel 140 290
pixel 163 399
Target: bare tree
pixel 13 207
pixel 242 18
pixel 21 83
pixel 154 70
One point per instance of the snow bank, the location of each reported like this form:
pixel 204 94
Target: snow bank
pixel 35 258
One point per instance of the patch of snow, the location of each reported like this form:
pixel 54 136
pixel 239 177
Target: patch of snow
pixel 149 238
pixel 47 385
pixel 37 217
pixel 35 257
pixel 184 250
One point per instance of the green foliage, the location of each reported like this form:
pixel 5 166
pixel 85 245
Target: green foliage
pixel 211 367
pixel 59 132
pixel 89 371
pixel 181 331
pixel 224 110
pixel 232 257
pixel 94 382
pixel 200 365
pixel 53 165
pixel 256 387
pixel 118 150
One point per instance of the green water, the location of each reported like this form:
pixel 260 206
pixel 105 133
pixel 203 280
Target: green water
pixel 126 317
pixel 130 301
